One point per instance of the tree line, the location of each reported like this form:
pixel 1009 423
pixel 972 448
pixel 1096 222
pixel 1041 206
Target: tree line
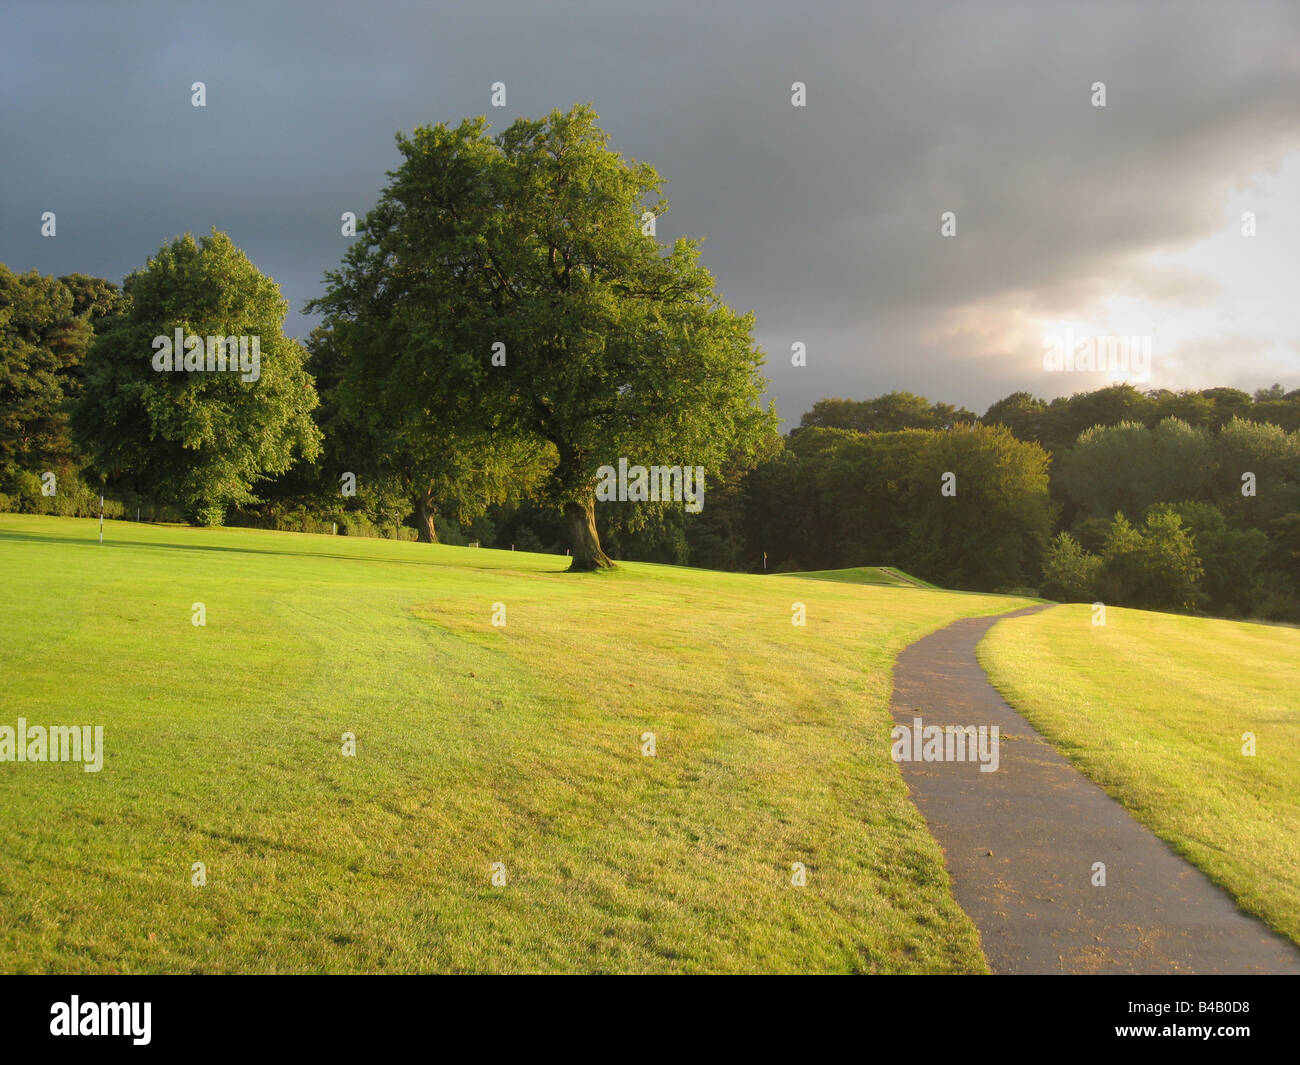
pixel 507 324
pixel 1166 500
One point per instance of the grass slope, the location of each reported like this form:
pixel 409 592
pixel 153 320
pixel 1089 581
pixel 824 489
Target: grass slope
pixel 865 575
pixel 1153 708
pixel 475 745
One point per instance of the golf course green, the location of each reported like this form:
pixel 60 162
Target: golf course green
pixel 768 831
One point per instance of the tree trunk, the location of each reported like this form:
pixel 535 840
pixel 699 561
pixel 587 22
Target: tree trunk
pixel 587 555
pixel 427 532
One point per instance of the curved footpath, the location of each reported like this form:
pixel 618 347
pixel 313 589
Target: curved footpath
pixel 1020 844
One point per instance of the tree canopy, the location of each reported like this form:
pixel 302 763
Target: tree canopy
pixel 203 436
pixel 516 287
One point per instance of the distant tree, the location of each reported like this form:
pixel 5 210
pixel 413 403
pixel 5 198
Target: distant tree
pixel 1070 574
pixel 46 327
pixel 1107 469
pixel 1284 412
pixel 1268 452
pixel 1189 407
pixel 716 536
pixel 199 439
pixel 900 410
pixel 1231 558
pixel 33 371
pixel 1155 568
pixel 348 476
pixel 1021 413
pixel 1182 462
pixel 1284 549
pixel 837 498
pixel 1279 597
pixel 991 533
pixel 1091 533
pixel 1129 466
pixel 885 414
pixel 1108 406
pixel 837 414
pixel 781 519
pixel 1228 403
pixel 93 298
pixel 1121 579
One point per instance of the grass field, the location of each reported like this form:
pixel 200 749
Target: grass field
pixel 475 744
pixel 865 575
pixel 1154 707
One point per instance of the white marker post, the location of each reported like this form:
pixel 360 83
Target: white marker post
pixel 101 519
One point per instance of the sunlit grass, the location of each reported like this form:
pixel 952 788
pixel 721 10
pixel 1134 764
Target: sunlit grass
pixel 475 744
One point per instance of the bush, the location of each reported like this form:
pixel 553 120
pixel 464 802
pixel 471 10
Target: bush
pixel 209 515
pixel 355 523
pixel 73 498
pixel 1070 574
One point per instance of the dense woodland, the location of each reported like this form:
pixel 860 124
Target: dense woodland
pixel 610 345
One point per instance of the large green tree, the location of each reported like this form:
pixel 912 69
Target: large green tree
pixel 524 297
pixel 202 438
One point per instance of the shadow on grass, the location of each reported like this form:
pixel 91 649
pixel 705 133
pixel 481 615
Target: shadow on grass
pixel 486 564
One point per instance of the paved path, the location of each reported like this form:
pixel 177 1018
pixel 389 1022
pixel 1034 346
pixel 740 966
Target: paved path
pixel 1020 844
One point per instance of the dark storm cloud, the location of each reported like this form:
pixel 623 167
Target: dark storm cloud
pixel 824 220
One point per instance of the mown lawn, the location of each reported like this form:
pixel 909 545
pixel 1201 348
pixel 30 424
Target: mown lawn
pixel 475 745
pixel 1154 708
pixel 863 575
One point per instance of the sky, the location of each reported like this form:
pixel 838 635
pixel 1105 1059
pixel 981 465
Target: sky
pixel 1119 228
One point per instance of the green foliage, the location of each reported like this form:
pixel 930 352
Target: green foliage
pixel 46 326
pixel 1233 559
pixel 201 440
pixel 524 540
pixel 991 533
pixel 614 346
pixel 1056 425
pixel 391 412
pixel 1127 467
pixel 1022 413
pixel 1273 456
pixel 1280 597
pixel 1070 574
pixel 885 414
pixel 1154 568
pixel 1091 533
pixel 836 498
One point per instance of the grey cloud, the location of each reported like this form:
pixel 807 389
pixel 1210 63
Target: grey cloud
pixel 823 220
